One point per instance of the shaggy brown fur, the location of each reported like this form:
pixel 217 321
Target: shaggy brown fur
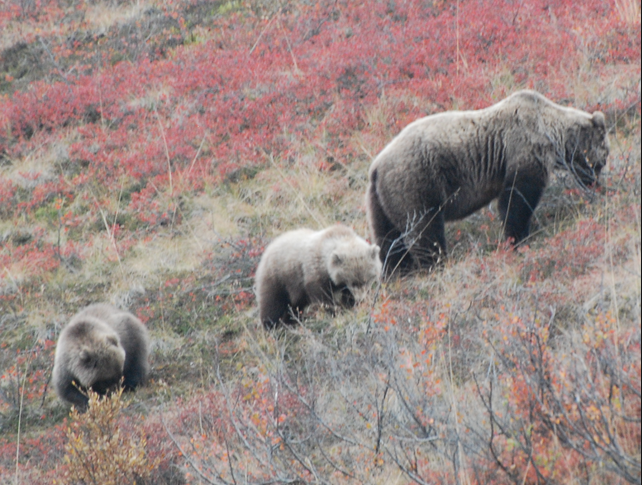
pixel 447 166
pixel 100 345
pixel 333 266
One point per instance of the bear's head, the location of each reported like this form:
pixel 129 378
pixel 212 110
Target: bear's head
pixel 587 148
pixel 354 266
pixel 100 362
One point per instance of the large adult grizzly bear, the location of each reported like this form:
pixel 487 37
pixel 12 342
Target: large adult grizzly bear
pixel 333 266
pixel 446 166
pixel 100 345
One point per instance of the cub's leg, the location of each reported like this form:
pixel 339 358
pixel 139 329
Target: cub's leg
pixel 520 196
pixel 273 307
pixel 134 372
pixel 72 394
pixel 136 352
pixel 105 387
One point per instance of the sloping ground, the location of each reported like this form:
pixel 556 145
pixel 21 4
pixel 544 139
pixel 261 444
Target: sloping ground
pixel 149 151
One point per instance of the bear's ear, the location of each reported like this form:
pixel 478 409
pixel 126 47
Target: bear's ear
pixel 374 251
pixel 599 120
pixel 111 340
pixel 336 259
pixel 84 356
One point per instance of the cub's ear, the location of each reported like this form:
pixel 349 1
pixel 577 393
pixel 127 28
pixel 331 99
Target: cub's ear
pixel 374 251
pixel 598 119
pixel 336 259
pixel 84 356
pixel 111 340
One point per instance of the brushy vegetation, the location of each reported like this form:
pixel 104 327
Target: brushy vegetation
pixel 150 150
pixel 100 449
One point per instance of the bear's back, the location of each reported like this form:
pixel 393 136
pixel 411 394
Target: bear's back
pixel 126 325
pixel 285 249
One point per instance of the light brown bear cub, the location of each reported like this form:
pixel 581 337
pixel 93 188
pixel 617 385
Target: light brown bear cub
pixel 333 266
pixel 446 166
pixel 100 345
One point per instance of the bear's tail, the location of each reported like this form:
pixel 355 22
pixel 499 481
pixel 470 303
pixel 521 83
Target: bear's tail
pixel 394 253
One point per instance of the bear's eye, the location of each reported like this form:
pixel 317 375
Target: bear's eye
pixel 112 341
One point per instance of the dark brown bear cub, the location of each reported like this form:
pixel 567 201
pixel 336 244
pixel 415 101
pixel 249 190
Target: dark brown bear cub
pixel 100 346
pixel 446 166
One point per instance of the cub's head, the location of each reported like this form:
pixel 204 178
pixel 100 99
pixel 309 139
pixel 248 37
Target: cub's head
pixel 354 266
pixel 587 148
pixel 100 361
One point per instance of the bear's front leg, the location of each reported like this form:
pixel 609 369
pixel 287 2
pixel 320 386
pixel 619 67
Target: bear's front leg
pixel 520 195
pixel 72 394
pixel 135 371
pixel 105 387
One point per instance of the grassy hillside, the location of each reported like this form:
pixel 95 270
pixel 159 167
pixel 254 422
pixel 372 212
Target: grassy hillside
pixel 150 150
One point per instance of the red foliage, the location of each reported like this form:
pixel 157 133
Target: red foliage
pixel 567 254
pixel 170 126
pixel 46 450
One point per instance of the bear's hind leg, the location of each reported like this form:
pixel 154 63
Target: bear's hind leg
pixel 517 203
pixel 427 242
pixel 293 315
pixel 393 251
pixel 396 257
pixel 274 307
